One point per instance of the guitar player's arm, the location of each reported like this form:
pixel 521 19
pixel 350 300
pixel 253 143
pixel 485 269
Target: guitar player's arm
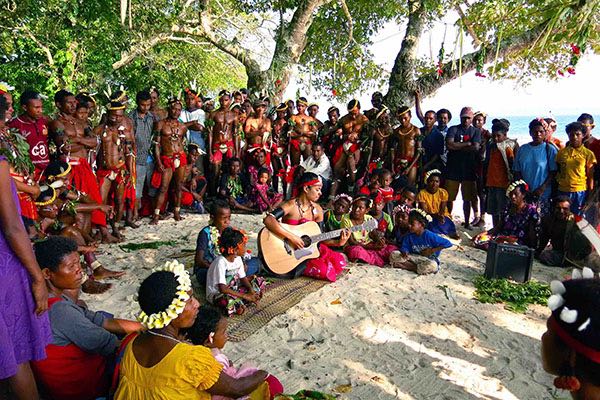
pixel 272 224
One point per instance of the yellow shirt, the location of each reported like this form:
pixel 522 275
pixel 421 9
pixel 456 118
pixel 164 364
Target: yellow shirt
pixel 432 202
pixel 361 237
pixel 183 374
pixel 573 164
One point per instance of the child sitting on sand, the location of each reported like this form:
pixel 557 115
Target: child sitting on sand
pixel 226 283
pixel 421 248
pixel 370 248
pixel 210 330
pixel 207 243
pixel 384 221
pixel 401 224
pixel 571 344
pixel 332 218
pixel 235 188
pixel 434 201
pixel 263 195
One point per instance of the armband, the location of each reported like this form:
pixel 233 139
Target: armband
pixel 277 213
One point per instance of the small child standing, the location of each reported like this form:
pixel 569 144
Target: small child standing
pixel 263 196
pixel 434 201
pixel 226 283
pixel 385 188
pixel 333 217
pixel 370 248
pixel 210 330
pixel 421 248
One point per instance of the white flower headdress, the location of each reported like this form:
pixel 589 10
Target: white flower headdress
pixel 556 300
pixel 423 214
pixel 433 171
pixel 163 318
pixel 515 184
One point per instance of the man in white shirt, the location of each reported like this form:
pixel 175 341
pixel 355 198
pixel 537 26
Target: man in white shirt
pixel 194 117
pixel 318 163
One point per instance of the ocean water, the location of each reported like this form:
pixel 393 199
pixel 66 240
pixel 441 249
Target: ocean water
pixel 519 126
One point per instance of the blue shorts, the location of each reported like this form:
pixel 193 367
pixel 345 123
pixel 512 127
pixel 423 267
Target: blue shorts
pixel 577 201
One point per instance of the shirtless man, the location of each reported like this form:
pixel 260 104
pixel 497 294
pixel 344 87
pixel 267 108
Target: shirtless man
pixel 170 158
pixel 313 111
pixel 73 144
pixel 347 154
pixel 279 148
pixel 257 131
pixel 380 134
pixel 112 170
pixel 155 109
pixel 303 132
pixel 223 141
pixel 377 102
pixel 405 160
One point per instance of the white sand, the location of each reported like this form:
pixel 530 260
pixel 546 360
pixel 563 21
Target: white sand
pixel 394 335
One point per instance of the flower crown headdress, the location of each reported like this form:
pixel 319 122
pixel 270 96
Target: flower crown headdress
pixel 343 196
pixel 433 171
pixel 422 214
pixel 405 208
pixel 516 184
pixel 163 318
pixel 5 88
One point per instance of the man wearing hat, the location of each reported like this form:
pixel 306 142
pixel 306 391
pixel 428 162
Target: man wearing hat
pixel 463 142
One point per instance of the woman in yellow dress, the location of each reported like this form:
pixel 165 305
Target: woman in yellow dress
pixel 158 364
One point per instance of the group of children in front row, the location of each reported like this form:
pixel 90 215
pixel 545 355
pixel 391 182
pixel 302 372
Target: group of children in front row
pixel 408 239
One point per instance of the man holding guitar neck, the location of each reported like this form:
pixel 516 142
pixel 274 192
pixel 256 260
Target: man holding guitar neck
pixel 299 211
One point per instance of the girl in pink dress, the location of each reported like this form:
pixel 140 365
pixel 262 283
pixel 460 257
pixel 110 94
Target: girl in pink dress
pixel 210 330
pixel 263 196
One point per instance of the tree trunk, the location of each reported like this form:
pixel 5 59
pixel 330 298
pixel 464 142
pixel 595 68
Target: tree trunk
pixel 402 82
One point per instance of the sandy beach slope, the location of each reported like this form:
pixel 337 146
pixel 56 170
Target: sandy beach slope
pixel 389 334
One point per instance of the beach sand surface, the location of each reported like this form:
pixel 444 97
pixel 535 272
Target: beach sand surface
pixel 376 333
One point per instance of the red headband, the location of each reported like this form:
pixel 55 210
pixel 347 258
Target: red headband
pixel 310 183
pixel 584 350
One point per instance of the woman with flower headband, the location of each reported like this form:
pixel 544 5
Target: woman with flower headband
pixel 370 248
pixel 227 285
pixel 84 342
pixel 421 248
pixel 571 344
pixel 519 222
pixel 158 363
pixel 434 201
pixel 299 210
pixel 24 326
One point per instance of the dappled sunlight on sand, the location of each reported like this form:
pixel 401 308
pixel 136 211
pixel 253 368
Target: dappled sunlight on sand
pixel 468 375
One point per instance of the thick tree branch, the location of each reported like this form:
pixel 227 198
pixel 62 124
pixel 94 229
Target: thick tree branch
pixel 140 49
pixel 468 27
pixel 39 44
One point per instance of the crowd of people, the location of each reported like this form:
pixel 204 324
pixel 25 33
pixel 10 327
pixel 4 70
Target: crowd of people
pixel 86 174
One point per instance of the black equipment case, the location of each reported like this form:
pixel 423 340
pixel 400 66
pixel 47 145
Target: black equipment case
pixel 509 261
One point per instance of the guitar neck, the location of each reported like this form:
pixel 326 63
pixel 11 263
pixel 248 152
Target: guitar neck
pixel 333 234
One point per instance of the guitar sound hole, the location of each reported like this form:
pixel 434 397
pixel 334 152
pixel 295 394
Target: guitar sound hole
pixel 306 240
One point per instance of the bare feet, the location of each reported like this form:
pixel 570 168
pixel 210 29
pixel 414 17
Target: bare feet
pixel 154 220
pixel 108 239
pixel 103 273
pixel 94 287
pixel 454 236
pixel 177 216
pixel 131 224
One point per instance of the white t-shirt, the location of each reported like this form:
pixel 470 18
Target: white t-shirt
pixel 196 115
pixel 322 168
pixel 223 272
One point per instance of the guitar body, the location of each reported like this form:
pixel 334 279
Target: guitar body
pixel 279 256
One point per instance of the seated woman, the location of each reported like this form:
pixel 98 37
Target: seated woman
pixel 421 248
pixel 158 363
pixel 84 342
pixel 370 248
pixel 210 330
pixel 302 209
pixel 235 188
pixel 519 222
pixel 571 343
pixel 434 201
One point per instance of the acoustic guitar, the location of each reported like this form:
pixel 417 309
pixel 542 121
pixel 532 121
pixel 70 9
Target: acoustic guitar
pixel 279 255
